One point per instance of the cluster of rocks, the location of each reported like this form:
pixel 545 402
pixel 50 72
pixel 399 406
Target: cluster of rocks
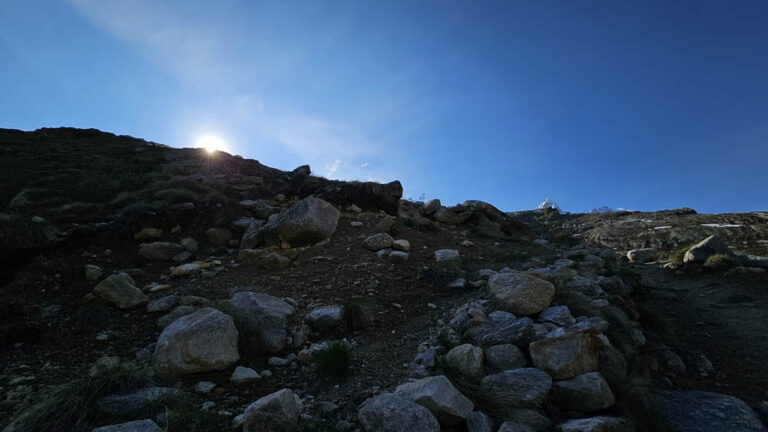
pixel 699 254
pixel 480 218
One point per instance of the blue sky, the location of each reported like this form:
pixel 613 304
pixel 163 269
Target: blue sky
pixel 643 105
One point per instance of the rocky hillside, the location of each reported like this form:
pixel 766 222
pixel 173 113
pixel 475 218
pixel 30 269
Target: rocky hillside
pixel 148 288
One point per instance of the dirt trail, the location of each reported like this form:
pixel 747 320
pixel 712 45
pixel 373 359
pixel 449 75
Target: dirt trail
pixel 723 318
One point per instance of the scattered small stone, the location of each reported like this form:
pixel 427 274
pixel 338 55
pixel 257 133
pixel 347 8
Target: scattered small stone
pixel 244 375
pixel 204 387
pixel 401 245
pixel 93 272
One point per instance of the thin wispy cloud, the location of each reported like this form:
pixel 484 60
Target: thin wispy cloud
pixel 194 51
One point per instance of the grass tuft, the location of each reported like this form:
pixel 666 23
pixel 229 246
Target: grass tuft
pixel 71 406
pixel 677 255
pixel 334 360
pixel 721 262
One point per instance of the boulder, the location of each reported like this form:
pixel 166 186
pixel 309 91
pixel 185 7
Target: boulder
pixel 390 413
pixel 93 272
pixel 567 355
pixel 306 222
pixel 261 209
pixel 159 251
pixel 325 318
pixel 527 420
pixel 148 234
pixel 398 257
pixel 431 206
pixel 439 396
pixel 186 270
pixel 586 392
pixel 252 236
pixel 641 255
pixel 177 312
pixel 261 319
pixel 218 236
pixel 467 359
pixel 401 245
pixel 521 293
pixel 189 244
pixel 698 411
pixel 447 255
pixel 378 241
pixel 146 425
pixel 598 424
pixel 202 341
pixel 559 315
pixel 526 387
pixel 244 375
pixel 163 304
pixel 501 329
pixel 274 261
pixel 504 357
pixel 478 421
pixel 138 400
pixel 120 290
pixel 711 245
pixel 276 412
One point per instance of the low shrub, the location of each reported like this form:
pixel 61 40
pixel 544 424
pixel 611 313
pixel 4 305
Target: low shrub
pixel 334 360
pixel 721 262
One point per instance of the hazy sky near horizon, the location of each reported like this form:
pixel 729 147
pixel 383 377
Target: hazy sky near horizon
pixel 643 105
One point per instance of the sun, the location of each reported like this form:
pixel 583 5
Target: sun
pixel 211 143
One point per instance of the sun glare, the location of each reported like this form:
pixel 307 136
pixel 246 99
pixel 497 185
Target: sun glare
pixel 211 143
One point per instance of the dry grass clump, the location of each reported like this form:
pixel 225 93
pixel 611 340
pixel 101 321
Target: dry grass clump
pixel 71 406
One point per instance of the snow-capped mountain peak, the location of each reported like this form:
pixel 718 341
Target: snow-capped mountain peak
pixel 548 203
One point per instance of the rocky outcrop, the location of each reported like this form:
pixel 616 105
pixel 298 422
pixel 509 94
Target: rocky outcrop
pixel 202 341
